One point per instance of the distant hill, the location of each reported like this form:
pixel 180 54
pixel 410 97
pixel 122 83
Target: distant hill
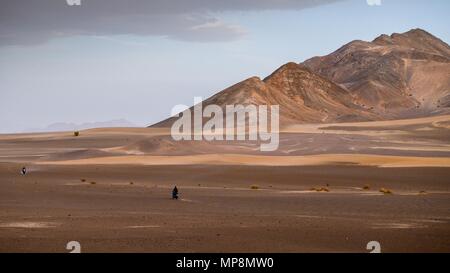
pixel 63 126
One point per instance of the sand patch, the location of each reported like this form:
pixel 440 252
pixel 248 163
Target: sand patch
pixel 366 128
pixel 415 148
pixel 398 226
pixel 254 160
pixel 28 225
pixel 188 200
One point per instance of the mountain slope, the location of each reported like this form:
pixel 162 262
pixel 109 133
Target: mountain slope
pixel 303 96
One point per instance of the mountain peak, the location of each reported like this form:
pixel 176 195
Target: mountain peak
pixel 417 39
pixel 383 39
pixel 286 70
pixel 415 33
pixel 418 32
pixel 290 66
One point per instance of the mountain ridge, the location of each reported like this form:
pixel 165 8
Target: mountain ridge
pixel 397 76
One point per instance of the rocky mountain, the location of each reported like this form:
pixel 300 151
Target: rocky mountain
pixel 303 96
pixel 398 76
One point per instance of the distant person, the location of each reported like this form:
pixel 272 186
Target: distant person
pixel 23 171
pixel 175 193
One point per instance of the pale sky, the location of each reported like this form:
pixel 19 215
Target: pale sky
pixel 135 60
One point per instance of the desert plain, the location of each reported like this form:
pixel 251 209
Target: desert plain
pixel 321 191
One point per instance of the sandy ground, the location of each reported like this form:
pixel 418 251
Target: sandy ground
pixel 254 160
pixel 110 189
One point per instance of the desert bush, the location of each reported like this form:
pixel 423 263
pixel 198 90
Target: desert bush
pixel 83 180
pixel 385 191
pixel 76 133
pixel 321 189
pixel 254 187
pixel 366 187
pixel 93 182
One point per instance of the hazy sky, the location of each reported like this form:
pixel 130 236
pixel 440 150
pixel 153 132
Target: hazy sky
pixel 136 59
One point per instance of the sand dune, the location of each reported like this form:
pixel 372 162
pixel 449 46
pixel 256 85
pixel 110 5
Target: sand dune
pixel 370 127
pixel 230 159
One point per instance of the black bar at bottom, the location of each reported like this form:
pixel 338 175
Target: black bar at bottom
pixel 221 262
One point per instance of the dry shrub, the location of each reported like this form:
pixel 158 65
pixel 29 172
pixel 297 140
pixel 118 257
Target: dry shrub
pixel 321 189
pixel 76 133
pixel 254 187
pixel 385 191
